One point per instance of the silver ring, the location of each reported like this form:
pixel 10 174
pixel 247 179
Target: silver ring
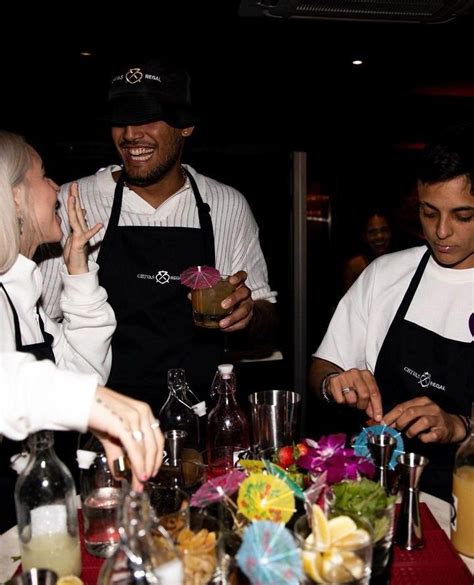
pixel 155 424
pixel 345 391
pixel 137 435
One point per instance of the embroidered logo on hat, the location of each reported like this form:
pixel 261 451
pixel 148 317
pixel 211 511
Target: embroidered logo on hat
pixel 134 75
pixel 151 91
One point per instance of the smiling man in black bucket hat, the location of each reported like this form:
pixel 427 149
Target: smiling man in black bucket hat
pixel 161 217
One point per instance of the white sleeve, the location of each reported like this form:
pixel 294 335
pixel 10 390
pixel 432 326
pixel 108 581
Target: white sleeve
pixel 345 341
pixel 38 395
pixel 82 342
pixel 247 255
pixel 50 268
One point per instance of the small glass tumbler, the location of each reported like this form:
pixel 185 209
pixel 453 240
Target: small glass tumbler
pixel 381 528
pixel 171 507
pixel 207 308
pixel 348 563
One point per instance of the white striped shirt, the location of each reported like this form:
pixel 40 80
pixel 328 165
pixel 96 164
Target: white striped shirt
pixel 236 238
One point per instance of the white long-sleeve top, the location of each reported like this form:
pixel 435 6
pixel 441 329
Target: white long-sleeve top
pixel 82 340
pixel 39 395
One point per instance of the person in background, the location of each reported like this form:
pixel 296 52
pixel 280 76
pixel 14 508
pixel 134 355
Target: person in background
pixel 36 395
pixel 399 346
pixel 161 217
pixel 376 236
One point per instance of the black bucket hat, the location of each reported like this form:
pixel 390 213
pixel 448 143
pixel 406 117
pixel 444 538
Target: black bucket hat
pixel 151 91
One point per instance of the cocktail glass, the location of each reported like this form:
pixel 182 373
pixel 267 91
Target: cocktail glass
pixel 207 308
pixel 334 564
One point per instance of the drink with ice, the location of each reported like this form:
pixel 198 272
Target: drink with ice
pixel 207 309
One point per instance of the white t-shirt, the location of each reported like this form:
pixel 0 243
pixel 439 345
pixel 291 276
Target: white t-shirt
pixel 443 303
pixel 236 238
pixel 82 341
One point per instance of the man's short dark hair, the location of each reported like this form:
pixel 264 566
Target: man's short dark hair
pixel 449 156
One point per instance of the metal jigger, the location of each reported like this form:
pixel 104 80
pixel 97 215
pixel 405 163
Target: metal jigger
pixel 381 448
pixel 409 533
pixel 174 442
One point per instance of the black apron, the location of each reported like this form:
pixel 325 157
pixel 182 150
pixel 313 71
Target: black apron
pixel 414 361
pixel 9 448
pixel 140 268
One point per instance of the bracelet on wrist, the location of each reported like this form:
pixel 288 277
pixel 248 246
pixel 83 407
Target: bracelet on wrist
pixel 467 423
pixel 324 388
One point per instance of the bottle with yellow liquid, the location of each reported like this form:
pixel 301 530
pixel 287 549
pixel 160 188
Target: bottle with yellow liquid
pixel 462 522
pixel 45 501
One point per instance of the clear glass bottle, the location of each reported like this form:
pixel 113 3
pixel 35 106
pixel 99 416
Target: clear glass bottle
pixel 101 496
pixel 462 522
pixel 146 553
pixel 45 501
pixel 227 425
pixel 177 413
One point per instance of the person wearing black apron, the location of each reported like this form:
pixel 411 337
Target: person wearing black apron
pixel 8 448
pixel 140 268
pixel 449 362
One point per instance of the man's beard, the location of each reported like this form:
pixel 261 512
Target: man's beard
pixel 161 170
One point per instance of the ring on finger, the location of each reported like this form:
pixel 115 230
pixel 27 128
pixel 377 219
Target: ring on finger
pixel 345 391
pixel 137 435
pixel 155 424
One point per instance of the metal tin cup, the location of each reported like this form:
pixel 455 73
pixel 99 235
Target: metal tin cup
pixel 274 418
pixel 35 577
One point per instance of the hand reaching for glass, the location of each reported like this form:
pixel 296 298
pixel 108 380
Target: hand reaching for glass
pixel 124 424
pixel 76 247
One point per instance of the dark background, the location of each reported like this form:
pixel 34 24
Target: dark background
pixel 263 88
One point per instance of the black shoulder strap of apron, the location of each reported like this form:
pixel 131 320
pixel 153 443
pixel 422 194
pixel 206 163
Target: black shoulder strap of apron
pixel 113 220
pixel 205 220
pixel 410 293
pixel 16 321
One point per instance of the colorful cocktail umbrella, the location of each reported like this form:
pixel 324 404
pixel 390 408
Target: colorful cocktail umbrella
pixel 273 469
pixel 252 465
pixel 200 277
pixel 265 497
pixel 217 488
pixel 361 447
pixel 269 555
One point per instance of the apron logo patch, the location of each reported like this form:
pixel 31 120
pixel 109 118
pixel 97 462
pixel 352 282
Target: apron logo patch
pixel 161 277
pixel 424 379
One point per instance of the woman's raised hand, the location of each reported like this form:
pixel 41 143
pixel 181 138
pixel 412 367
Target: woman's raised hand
pixel 76 247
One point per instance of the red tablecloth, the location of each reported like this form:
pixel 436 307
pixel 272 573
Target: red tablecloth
pixel 435 564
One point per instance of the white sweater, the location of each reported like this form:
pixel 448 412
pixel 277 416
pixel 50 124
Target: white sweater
pixel 82 341
pixel 38 395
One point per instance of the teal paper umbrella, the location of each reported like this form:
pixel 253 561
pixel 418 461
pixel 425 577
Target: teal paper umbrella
pixel 361 447
pixel 269 555
pixel 273 469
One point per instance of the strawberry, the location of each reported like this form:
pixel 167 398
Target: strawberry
pixel 302 449
pixel 285 456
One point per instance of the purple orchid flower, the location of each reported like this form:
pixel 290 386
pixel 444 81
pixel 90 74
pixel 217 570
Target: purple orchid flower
pixel 329 455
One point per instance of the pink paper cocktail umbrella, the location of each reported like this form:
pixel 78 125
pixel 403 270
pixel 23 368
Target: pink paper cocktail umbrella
pixel 216 489
pixel 196 277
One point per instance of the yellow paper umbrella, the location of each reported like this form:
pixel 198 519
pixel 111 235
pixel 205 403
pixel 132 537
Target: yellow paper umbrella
pixel 265 497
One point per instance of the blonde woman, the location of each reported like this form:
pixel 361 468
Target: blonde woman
pixel 28 202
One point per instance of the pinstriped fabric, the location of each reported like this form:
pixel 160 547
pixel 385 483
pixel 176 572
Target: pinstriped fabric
pixel 235 230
